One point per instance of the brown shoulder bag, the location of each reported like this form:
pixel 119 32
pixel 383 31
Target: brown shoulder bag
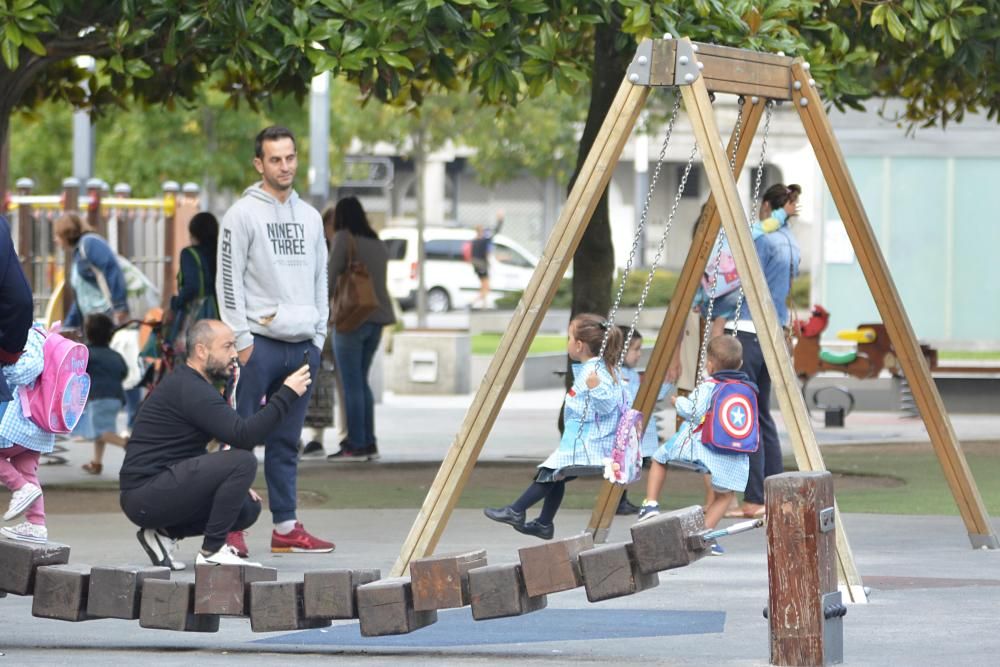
pixel 354 297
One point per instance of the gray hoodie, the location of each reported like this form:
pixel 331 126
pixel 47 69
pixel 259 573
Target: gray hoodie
pixel 272 269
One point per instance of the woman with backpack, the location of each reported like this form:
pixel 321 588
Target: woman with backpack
pixel 96 278
pixel 195 299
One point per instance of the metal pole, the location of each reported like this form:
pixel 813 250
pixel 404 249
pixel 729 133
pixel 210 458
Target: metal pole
pixel 319 139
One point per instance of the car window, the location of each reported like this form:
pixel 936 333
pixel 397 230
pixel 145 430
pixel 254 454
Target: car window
pixel 449 249
pixel 396 248
pixel 508 255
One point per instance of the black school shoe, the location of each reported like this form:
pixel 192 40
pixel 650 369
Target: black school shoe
pixel 507 515
pixel 626 507
pixel 536 529
pixel 348 454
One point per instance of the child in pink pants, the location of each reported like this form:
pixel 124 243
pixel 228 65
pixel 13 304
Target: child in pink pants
pixel 22 442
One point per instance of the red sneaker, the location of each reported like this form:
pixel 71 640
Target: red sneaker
pixel 237 540
pixel 300 542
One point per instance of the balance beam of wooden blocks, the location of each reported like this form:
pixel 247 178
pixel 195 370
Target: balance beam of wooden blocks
pixel 555 566
pixel 333 594
pixel 279 605
pixel 385 607
pixel 61 592
pixel 18 562
pixel 664 541
pixel 442 581
pixel 612 570
pixel 115 592
pixel 169 605
pixel 225 589
pixel 498 591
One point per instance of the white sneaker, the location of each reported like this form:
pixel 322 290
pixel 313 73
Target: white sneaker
pixel 224 556
pixel 26 532
pixel 160 548
pixel 21 500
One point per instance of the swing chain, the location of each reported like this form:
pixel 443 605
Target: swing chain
pixel 610 322
pixel 755 202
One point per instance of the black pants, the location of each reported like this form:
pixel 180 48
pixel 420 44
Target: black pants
pixel 206 495
pixel 766 461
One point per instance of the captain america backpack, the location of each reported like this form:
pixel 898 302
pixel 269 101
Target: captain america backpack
pixel 730 425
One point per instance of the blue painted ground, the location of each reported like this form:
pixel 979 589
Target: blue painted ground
pixel 455 627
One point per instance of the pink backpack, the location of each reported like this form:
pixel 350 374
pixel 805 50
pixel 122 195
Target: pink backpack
pixel 624 466
pixel 55 401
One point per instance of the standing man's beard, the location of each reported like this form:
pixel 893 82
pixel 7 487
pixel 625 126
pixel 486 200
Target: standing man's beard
pixel 220 371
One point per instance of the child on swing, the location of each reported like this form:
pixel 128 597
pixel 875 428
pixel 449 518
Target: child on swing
pixel 630 383
pixel 588 430
pixel 729 470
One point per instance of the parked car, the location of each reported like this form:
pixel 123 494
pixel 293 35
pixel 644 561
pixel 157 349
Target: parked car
pixel 450 280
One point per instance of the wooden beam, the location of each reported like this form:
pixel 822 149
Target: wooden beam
pixel 726 70
pixel 673 322
pixel 524 323
pixel 758 298
pixel 873 265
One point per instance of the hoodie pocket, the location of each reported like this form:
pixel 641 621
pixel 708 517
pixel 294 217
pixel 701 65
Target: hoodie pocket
pixel 292 322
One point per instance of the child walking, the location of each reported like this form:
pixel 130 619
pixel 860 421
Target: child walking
pixel 729 470
pixel 22 443
pixel 107 370
pixel 584 435
pixel 630 384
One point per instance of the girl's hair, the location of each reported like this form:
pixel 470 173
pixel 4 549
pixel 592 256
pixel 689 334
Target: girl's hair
pixel 204 230
pixel 350 215
pixel 779 194
pixel 589 329
pixel 636 336
pixel 70 227
pixel 98 328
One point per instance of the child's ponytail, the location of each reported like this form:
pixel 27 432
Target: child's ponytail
pixel 589 329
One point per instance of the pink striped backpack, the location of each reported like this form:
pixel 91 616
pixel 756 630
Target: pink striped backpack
pixel 56 399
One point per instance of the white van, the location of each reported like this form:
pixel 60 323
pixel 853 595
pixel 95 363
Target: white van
pixel 449 277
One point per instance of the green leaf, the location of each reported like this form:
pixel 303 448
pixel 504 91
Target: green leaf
pixel 300 19
pixel 13 34
pixel 139 69
pixel 895 26
pixel 121 32
pixel 9 50
pixel 351 42
pixel 260 51
pixel 186 21
pixel 33 44
pixel 115 63
pixel 398 60
pixel 640 15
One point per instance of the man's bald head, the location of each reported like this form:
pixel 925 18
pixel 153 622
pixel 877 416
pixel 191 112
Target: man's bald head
pixel 211 349
pixel 204 332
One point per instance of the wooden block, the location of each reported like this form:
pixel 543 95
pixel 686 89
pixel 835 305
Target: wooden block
pixel 555 566
pixel 169 605
pixel 498 591
pixel 661 543
pixel 279 605
pixel 385 607
pixel 18 561
pixel 61 592
pixel 115 592
pixel 442 582
pixel 333 593
pixel 611 571
pixel 225 589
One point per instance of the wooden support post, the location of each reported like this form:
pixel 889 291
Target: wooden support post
pixel 873 265
pixel 758 298
pixel 524 323
pixel 802 583
pixel 670 332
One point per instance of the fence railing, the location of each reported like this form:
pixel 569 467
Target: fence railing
pixel 149 232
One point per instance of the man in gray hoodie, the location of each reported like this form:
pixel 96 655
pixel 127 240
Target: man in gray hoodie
pixel 273 293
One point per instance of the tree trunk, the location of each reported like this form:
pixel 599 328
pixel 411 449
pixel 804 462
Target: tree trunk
pixel 594 261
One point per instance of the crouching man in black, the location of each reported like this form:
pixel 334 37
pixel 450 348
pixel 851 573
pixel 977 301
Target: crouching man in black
pixel 171 487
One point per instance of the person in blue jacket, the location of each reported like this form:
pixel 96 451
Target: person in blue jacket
pixel 97 281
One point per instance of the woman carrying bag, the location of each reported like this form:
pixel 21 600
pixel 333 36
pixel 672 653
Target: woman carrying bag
pixel 195 299
pixel 95 276
pixel 360 308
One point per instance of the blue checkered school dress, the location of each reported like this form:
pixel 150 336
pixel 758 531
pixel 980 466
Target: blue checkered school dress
pixel 596 431
pixel 730 470
pixel 630 382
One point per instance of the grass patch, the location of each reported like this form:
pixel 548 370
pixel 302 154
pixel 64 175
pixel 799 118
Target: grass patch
pixel 970 355
pixel 487 343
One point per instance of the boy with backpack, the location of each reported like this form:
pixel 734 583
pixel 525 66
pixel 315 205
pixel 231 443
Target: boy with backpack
pixel 22 442
pixel 719 432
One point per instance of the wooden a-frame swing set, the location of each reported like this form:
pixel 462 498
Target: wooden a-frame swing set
pixel 697 70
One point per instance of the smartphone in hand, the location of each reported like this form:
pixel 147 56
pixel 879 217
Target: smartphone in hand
pixel 305 358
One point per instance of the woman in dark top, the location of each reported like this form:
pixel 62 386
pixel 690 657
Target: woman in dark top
pixel 354 350
pixel 195 299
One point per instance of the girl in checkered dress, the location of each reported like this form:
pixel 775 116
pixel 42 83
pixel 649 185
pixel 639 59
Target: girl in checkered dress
pixel 590 415
pixel 729 470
